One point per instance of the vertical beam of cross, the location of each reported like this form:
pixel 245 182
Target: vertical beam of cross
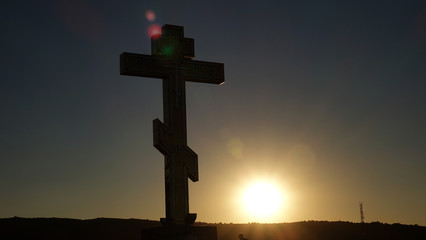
pixel 171 60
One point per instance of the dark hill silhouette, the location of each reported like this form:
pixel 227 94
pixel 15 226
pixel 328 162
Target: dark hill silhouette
pixel 315 230
pixel 64 228
pixel 129 229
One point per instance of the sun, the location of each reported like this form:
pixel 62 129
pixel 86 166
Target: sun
pixel 262 200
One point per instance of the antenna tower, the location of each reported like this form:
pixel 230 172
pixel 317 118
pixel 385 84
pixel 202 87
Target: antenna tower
pixel 361 211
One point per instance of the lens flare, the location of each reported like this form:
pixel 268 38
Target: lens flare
pixel 154 31
pixel 150 15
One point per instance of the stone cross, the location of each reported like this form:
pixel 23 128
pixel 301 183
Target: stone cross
pixel 171 60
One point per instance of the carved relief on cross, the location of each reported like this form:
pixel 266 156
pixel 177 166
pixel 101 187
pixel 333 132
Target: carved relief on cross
pixel 171 60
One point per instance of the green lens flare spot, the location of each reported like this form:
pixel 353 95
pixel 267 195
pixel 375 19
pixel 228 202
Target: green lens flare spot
pixel 167 50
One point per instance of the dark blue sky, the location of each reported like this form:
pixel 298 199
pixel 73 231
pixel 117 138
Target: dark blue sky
pixel 325 98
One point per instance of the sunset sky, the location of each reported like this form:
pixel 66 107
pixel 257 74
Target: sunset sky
pixel 324 100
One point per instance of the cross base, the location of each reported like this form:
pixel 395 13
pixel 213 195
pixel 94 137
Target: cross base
pixel 188 220
pixel 180 232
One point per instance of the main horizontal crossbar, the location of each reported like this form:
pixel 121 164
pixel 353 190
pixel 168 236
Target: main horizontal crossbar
pixel 142 65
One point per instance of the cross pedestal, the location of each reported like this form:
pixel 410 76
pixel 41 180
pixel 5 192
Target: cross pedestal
pixel 171 60
pixel 177 232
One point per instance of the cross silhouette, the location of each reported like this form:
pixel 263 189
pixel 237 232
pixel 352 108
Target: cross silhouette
pixel 171 60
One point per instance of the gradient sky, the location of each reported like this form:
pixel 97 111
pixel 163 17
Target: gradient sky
pixel 324 98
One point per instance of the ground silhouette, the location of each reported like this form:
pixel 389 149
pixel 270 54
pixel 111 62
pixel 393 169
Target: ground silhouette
pixel 129 229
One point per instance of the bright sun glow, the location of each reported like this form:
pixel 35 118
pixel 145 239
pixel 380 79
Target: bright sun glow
pixel 262 200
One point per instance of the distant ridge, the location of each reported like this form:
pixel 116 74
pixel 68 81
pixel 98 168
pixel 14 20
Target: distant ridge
pixel 129 229
pixel 65 228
